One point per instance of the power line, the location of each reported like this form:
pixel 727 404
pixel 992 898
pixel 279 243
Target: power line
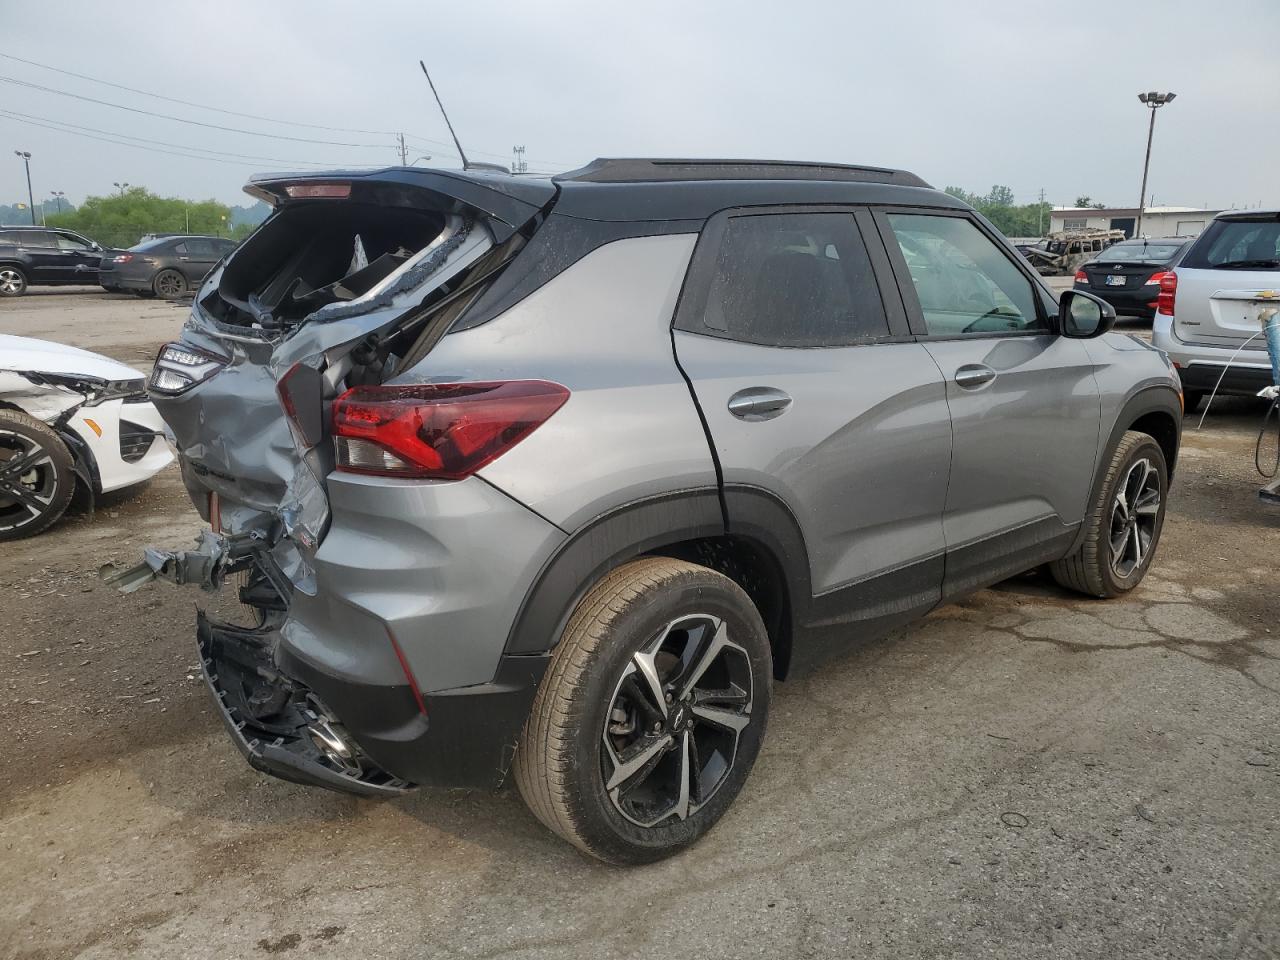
pixel 122 143
pixel 433 144
pixel 196 123
pixel 189 103
pixel 15 115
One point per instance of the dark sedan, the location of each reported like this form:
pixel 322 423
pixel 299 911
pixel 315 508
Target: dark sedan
pixel 1127 274
pixel 169 267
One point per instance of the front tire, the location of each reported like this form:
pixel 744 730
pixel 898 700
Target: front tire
pixel 13 282
pixel 651 713
pixel 36 476
pixel 1124 522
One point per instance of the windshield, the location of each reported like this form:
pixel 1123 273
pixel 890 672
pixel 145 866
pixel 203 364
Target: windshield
pixel 1246 244
pixel 1140 252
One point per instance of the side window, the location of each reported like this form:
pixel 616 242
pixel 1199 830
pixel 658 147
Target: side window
pixel 794 280
pixel 201 248
pixel 964 282
pixel 36 238
pixel 70 243
pixel 179 248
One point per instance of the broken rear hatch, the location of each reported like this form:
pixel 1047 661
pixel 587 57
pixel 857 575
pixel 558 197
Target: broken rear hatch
pixel 353 277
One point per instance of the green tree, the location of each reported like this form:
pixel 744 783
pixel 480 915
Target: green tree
pixel 122 219
pixel 1010 218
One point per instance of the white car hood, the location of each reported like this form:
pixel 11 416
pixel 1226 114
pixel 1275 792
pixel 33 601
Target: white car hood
pixel 28 355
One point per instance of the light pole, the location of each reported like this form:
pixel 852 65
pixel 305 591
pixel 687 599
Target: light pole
pixel 1154 101
pixel 122 187
pixel 31 200
pixel 57 195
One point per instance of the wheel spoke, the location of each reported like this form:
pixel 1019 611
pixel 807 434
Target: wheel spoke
pixel 729 719
pixel 634 761
pixel 719 639
pixel 648 669
pixel 22 464
pixel 1137 546
pixel 1148 504
pixel 28 498
pixel 682 801
pixel 1119 547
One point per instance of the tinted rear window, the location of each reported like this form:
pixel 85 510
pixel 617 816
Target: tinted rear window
pixel 1140 252
pixel 794 280
pixel 1237 244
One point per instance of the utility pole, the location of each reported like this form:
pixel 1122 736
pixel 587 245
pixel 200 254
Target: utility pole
pixel 519 166
pixel 404 151
pixel 1040 215
pixel 31 199
pixel 1154 101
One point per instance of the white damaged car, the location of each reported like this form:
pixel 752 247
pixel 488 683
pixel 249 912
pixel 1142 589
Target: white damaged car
pixel 68 417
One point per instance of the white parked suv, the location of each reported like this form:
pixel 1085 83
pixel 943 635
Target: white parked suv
pixel 1210 307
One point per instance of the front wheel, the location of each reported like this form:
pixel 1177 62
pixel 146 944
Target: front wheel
pixel 1123 526
pixel 651 713
pixel 36 476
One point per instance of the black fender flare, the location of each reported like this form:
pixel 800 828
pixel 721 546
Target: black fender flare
pixel 598 546
pixel 1148 399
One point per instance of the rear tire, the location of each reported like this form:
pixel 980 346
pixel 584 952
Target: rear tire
pixel 627 773
pixel 35 492
pixel 169 284
pixel 1122 528
pixel 13 282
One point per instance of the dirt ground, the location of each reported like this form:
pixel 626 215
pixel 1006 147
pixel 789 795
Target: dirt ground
pixel 1026 774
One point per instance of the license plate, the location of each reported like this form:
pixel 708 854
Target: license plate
pixel 1114 281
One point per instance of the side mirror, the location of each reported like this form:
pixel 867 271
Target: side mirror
pixel 1081 315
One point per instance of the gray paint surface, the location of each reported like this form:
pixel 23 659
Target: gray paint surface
pixel 861 456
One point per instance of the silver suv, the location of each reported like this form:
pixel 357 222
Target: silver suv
pixel 1211 308
pixel 549 477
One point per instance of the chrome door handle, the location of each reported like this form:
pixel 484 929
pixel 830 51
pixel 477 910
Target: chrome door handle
pixel 973 375
pixel 759 403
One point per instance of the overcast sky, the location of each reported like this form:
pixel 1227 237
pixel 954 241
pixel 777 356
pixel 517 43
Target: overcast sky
pixel 1029 94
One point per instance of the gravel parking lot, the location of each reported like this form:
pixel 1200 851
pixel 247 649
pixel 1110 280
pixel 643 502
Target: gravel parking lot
pixel 1026 774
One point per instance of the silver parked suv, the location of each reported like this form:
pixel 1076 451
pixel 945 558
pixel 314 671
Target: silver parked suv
pixel 1210 310
pixel 550 476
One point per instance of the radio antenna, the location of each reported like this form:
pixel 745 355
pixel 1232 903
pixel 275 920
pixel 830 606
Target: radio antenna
pixel 465 164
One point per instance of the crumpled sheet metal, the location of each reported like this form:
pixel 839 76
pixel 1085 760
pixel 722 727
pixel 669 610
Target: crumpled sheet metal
pixel 202 566
pixel 265 447
pixel 43 401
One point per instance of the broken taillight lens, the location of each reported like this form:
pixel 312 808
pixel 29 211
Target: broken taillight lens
pixel 443 431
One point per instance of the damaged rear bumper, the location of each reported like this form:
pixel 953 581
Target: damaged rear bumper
pixel 288 744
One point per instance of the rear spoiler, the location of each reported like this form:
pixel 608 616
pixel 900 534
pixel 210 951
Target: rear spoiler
pixel 508 202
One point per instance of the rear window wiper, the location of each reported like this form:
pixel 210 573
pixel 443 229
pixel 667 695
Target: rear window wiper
pixel 1245 264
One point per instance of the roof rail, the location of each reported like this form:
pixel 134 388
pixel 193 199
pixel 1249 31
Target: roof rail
pixel 652 169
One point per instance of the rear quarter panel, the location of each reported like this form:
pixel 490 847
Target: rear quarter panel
pixel 630 429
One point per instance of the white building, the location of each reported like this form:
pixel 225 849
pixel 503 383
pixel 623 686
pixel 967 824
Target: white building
pixel 1156 221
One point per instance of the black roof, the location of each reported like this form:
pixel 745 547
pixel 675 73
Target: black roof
pixel 667 170
pixel 643 189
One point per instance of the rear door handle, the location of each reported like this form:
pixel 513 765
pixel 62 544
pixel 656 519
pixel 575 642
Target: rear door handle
pixel 973 375
pixel 759 403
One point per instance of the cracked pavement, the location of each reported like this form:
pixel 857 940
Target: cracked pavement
pixel 1026 774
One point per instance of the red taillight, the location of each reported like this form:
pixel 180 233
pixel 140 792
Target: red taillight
pixel 1168 294
pixel 1081 277
pixel 442 431
pixel 1155 278
pixel 123 258
pixel 308 191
